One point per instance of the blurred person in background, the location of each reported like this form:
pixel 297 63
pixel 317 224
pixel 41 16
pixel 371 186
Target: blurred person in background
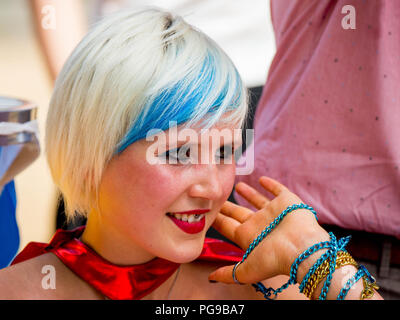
pixel 19 148
pixel 327 124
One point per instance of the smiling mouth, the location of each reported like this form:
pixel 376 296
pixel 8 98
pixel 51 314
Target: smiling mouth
pixel 191 218
pixel 188 223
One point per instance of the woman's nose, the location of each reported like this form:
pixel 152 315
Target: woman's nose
pixel 208 182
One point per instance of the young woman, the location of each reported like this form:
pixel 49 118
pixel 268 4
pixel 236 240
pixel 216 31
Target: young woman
pixel 128 144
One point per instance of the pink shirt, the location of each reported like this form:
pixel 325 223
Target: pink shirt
pixel 328 122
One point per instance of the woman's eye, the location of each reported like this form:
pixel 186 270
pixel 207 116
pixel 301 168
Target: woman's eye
pixel 183 154
pixel 177 155
pixel 225 152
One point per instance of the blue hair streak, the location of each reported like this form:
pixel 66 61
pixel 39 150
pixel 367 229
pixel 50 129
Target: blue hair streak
pixel 187 100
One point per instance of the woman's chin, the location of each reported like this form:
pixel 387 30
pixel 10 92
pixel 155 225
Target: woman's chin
pixel 185 253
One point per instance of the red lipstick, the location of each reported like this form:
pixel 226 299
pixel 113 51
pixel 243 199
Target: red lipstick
pixel 190 227
pixel 197 211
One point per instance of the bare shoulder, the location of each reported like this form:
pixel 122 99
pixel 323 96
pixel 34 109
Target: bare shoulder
pixel 198 286
pixel 42 277
pixel 24 280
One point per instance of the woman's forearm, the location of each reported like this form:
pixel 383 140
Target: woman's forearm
pixel 29 153
pixel 60 25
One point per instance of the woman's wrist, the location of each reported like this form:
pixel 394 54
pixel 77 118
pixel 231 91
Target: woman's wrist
pixel 348 280
pixel 340 276
pixel 339 279
pixel 317 236
pixel 316 260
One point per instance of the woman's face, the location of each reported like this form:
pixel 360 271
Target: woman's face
pixel 140 203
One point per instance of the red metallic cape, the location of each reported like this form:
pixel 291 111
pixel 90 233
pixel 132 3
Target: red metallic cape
pixel 114 281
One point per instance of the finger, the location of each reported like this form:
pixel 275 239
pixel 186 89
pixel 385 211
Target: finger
pixel 272 185
pixel 257 199
pixel 226 226
pixel 235 211
pixel 224 274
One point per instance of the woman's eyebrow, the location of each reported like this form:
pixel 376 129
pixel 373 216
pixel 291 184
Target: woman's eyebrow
pixel 234 144
pixel 187 140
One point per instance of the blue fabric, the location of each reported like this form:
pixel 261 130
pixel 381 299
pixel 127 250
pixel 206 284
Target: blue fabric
pixel 9 233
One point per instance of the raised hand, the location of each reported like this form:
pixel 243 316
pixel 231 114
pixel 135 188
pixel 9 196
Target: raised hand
pixel 275 254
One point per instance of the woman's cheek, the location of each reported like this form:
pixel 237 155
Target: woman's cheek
pixel 161 182
pixel 229 178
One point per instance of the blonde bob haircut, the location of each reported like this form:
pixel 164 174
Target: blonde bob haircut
pixel 134 71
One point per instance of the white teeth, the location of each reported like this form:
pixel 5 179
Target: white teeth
pixel 189 218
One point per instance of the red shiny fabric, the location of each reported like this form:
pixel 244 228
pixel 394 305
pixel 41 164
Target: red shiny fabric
pixel 114 281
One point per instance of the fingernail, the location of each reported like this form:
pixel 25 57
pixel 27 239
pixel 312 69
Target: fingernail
pixel 212 281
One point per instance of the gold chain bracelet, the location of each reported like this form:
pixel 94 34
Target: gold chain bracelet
pixel 343 259
pixel 368 290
